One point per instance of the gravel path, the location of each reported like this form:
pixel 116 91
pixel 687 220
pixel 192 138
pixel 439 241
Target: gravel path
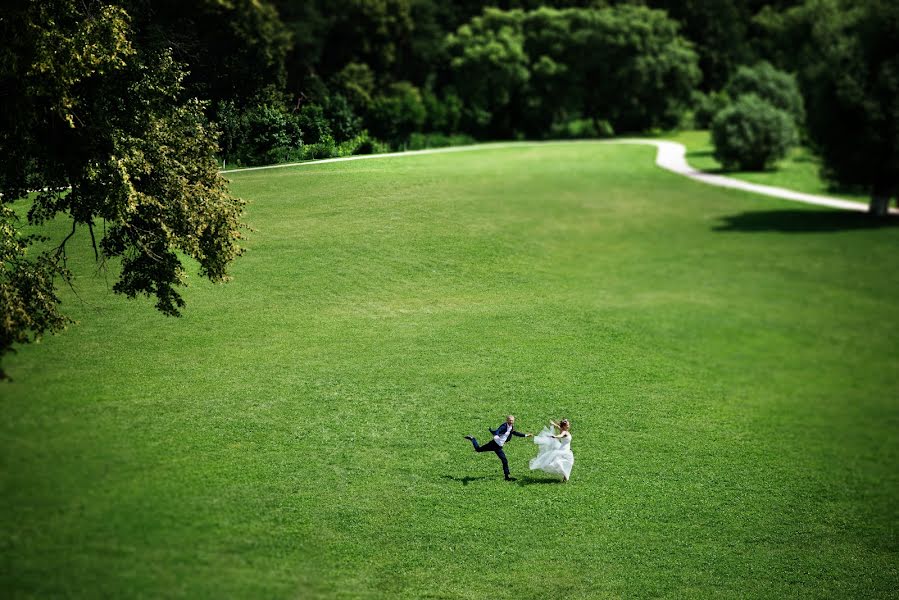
pixel 673 157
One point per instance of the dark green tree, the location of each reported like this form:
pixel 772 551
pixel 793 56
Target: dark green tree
pixel 636 70
pixel 232 50
pixel 718 29
pixel 519 71
pixel 397 113
pixel 329 34
pixel 848 66
pixel 491 69
pixel 100 131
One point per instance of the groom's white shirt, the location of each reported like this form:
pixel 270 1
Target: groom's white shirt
pixel 502 439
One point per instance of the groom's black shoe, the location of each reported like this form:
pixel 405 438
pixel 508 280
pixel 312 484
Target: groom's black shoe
pixel 469 438
pixel 508 478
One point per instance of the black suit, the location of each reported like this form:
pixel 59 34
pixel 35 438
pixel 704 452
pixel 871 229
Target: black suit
pixel 492 446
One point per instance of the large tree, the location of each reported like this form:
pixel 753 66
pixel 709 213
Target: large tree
pixel 718 29
pixel 491 70
pixel 521 70
pixel 98 129
pixel 231 49
pixel 848 66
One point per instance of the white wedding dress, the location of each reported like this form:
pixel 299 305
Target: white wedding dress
pixel 553 456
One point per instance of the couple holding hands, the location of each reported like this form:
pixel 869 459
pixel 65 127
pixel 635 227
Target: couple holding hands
pixel 553 454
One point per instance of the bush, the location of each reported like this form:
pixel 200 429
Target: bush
pixel 313 123
pixel 232 129
pixel 581 129
pixel 778 88
pixel 442 113
pixel 422 141
pixel 751 134
pixel 361 144
pixel 324 148
pixel 343 122
pixel 356 82
pixel 261 135
pixel 395 115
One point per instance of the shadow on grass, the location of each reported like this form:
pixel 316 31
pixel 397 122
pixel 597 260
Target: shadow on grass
pixel 720 170
pixel 803 221
pixel 538 481
pixel 468 479
pixel 703 154
pixel 699 153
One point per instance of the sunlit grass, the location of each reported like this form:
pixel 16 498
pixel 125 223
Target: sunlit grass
pixel 727 362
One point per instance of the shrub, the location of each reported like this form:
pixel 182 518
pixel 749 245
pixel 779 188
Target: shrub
pixel 343 122
pixel 442 113
pixel 421 141
pixel 260 135
pixel 751 134
pixel 582 129
pixel 361 144
pixel 232 129
pixel 324 148
pixel 398 113
pixel 778 88
pixel 313 123
pixel 356 82
pixel 274 134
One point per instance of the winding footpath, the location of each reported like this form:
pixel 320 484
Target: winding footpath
pixel 670 156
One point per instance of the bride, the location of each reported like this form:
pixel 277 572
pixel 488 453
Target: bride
pixel 554 454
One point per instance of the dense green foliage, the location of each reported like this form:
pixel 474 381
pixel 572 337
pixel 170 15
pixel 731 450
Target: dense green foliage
pixel 298 433
pixel 774 86
pixel 718 28
pixel 706 106
pixel 847 60
pixel 100 128
pixel 397 113
pixel 524 71
pixel 399 67
pixel 232 50
pixel 262 134
pixel 27 286
pixel 752 134
pixel 760 126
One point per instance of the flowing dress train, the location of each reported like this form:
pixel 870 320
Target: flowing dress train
pixel 553 456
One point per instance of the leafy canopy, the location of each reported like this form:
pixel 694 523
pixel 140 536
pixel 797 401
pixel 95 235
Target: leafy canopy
pixel 101 130
pixel 848 67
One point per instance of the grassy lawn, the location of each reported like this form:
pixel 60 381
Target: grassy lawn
pixel 799 171
pixel 728 361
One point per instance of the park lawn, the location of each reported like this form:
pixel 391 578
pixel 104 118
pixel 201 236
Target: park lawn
pixel 728 361
pixel 799 171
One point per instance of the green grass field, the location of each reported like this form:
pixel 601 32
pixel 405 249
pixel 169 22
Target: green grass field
pixel 729 363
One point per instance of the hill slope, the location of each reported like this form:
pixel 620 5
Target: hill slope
pixel 727 362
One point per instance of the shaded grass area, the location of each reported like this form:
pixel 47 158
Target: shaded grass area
pixel 726 361
pixel 799 171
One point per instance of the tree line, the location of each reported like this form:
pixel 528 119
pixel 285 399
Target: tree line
pixel 119 114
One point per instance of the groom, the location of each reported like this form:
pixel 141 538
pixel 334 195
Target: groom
pixel 500 437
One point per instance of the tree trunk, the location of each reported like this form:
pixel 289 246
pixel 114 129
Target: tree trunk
pixel 880 201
